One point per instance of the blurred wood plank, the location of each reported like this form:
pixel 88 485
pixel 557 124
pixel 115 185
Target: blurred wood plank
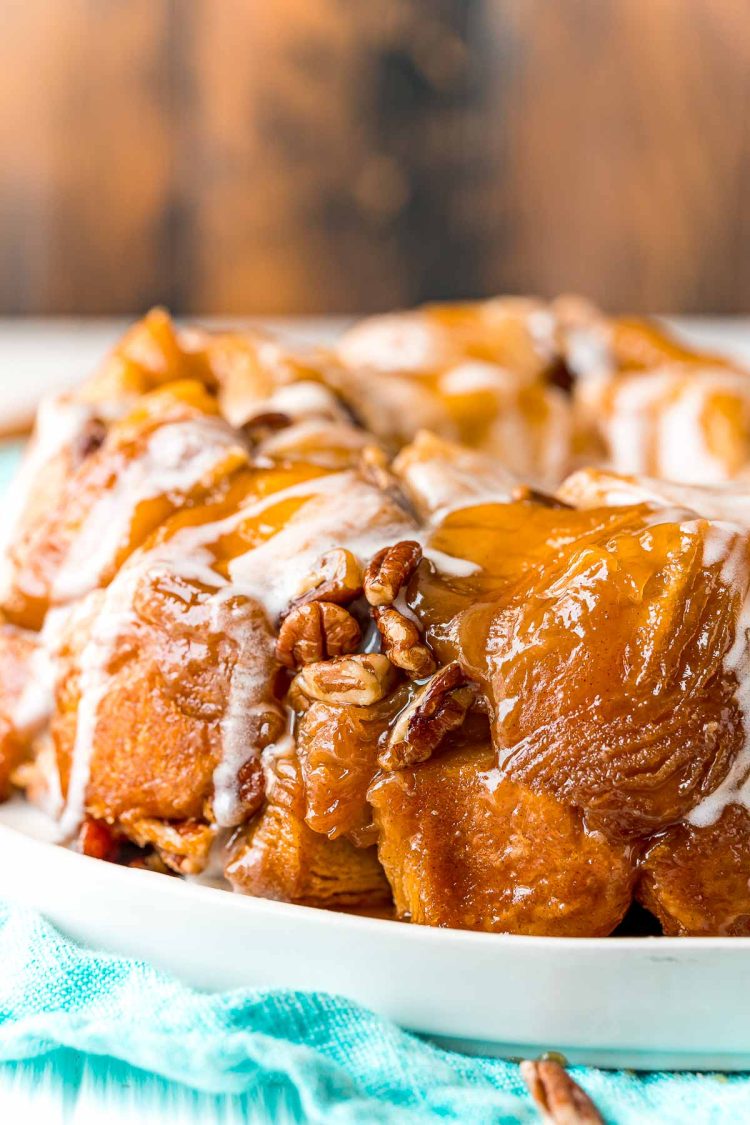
pixel 626 172
pixel 86 174
pixel 312 156
pixel 325 152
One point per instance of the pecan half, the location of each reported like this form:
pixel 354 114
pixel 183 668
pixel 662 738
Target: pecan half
pixel 360 680
pixel 337 578
pixel 403 644
pixel 316 631
pixel 437 708
pixel 390 570
pixel 559 1099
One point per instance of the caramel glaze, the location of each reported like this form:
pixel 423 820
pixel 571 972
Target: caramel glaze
pixel 598 639
pixel 601 644
pixel 125 483
pixel 170 686
pixel 465 846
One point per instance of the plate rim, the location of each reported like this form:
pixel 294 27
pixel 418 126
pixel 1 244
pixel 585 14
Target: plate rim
pixel 651 946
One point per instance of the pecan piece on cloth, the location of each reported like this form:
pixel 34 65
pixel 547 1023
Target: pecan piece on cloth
pixel 559 1099
pixel 403 644
pixel 336 578
pixel 362 679
pixel 316 631
pixel 437 708
pixel 390 570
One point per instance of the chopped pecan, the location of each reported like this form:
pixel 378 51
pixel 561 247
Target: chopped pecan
pixel 251 787
pixel 98 839
pixel 390 570
pixel 151 861
pixel 360 680
pixel 337 578
pixel 546 499
pixel 268 422
pixel 316 631
pixel 296 697
pixel 559 1099
pixel 182 844
pixel 403 644
pixel 437 708
pixel 90 439
pixel 375 468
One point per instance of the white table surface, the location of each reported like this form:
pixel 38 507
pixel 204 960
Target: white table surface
pixel 38 356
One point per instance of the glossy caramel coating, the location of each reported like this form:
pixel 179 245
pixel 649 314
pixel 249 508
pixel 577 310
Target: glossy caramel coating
pixel 337 749
pixel 167 666
pixel 280 857
pixel 481 373
pixel 697 880
pixel 515 333
pixel 171 450
pixel 599 638
pixel 17 649
pixel 640 344
pixel 172 685
pixel 463 846
pixel 151 354
pixel 157 738
pixel 577 691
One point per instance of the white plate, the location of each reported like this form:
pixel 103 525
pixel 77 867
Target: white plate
pixel 641 1002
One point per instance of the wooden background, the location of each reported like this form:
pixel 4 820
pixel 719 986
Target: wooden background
pixel 308 156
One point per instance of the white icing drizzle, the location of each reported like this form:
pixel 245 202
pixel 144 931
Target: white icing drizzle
pixel 683 450
pixel 450 478
pixel 542 324
pixel 477 375
pixel 724 543
pixel 347 512
pixel 316 439
pixel 212 874
pixel 654 422
pixel 588 353
pixel 339 510
pixel 304 399
pixel 405 610
pixel 93 684
pixel 48 795
pixel 283 749
pixel 59 422
pixel 176 458
pixel 34 708
pixel 593 488
pixel 394 342
pixel 449 564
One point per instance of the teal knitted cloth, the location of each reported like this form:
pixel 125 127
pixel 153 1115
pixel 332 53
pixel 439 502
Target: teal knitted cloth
pixel 320 1057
